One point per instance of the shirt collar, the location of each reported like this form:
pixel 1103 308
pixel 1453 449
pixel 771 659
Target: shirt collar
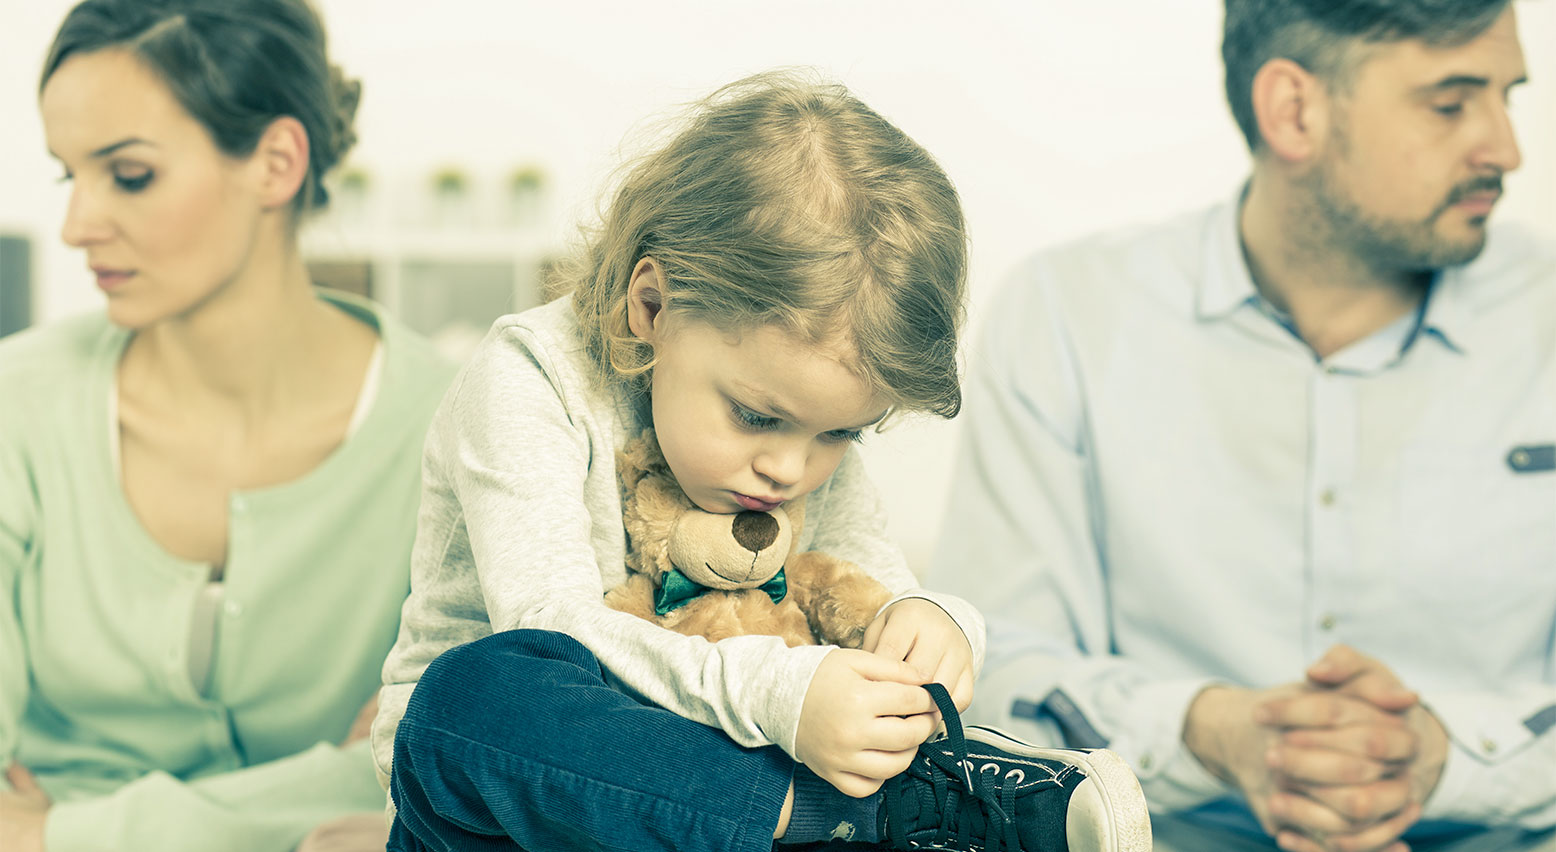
pixel 1446 315
pixel 1227 285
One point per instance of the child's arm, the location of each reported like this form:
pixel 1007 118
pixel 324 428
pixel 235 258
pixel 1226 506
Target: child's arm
pixel 520 528
pixel 940 635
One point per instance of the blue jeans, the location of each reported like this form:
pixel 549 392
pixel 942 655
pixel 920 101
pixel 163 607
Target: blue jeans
pixel 516 741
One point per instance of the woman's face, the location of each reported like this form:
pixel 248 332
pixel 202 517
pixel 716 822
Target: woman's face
pixel 166 219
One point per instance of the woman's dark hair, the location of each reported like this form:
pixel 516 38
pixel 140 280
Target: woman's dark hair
pixel 234 65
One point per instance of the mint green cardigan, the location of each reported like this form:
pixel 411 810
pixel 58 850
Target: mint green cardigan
pixel 95 691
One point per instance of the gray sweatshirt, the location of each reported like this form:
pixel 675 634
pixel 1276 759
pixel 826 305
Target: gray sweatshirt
pixel 521 527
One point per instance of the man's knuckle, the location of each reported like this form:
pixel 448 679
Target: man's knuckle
pixel 1357 804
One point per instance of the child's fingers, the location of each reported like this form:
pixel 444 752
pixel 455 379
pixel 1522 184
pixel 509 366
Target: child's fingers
pixel 962 692
pixel 897 699
pixel 850 783
pixel 879 764
pixel 902 733
pixel 897 642
pixel 872 634
pixel 885 669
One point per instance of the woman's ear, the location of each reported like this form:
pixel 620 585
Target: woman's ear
pixel 646 300
pixel 281 161
pixel 1292 108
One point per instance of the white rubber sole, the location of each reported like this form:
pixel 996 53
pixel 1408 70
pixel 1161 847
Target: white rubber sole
pixel 1107 812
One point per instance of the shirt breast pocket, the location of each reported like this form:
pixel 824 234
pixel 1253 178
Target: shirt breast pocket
pixel 1478 524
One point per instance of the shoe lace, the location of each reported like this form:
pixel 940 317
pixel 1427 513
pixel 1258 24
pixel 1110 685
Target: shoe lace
pixel 980 804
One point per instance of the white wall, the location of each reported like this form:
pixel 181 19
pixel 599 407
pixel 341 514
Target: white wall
pixel 1054 118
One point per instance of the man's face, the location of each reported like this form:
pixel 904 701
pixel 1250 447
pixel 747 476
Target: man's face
pixel 1417 148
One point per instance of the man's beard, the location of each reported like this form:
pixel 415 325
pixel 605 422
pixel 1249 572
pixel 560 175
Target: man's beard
pixel 1384 244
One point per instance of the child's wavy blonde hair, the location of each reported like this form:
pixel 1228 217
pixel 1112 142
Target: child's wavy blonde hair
pixel 785 200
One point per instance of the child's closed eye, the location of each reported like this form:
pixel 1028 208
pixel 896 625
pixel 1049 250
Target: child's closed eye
pixel 749 419
pixel 844 436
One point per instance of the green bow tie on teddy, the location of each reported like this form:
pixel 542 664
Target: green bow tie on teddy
pixel 677 590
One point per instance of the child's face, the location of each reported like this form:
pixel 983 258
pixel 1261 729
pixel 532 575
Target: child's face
pixel 753 420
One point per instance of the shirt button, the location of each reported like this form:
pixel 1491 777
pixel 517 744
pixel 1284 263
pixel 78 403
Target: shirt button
pixel 1327 498
pixel 1146 762
pixel 1520 459
pixel 1327 622
pixel 1331 369
pixel 1489 746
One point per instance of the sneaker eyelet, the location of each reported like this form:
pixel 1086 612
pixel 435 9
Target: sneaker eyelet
pixel 1017 774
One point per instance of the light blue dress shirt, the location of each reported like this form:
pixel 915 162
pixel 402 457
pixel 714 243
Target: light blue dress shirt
pixel 1161 487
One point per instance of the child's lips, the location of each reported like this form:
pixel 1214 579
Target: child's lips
pixel 754 504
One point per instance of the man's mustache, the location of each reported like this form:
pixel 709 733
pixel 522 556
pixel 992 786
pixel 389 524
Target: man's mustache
pixel 1475 186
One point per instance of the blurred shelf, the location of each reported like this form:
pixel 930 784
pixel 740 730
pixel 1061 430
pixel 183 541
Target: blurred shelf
pixel 448 285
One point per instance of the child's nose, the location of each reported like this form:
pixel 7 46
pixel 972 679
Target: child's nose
pixel 784 466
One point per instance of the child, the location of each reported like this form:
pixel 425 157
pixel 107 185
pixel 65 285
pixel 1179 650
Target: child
pixel 784 274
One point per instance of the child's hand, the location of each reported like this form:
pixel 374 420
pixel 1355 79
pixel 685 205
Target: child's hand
pixel 863 720
pixel 920 633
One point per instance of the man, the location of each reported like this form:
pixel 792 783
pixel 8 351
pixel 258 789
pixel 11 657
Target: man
pixel 1264 499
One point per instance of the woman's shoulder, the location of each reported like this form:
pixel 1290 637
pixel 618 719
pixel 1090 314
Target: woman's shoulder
pixel 412 360
pixel 44 355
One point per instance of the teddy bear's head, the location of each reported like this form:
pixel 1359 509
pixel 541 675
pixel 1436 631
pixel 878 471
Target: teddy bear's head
pixel 670 536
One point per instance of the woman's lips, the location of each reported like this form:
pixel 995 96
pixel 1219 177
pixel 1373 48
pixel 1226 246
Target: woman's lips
pixel 109 280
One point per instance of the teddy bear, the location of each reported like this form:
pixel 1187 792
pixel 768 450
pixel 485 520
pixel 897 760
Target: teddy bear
pixel 717 576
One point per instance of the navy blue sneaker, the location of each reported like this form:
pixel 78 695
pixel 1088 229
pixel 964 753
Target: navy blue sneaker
pixel 981 789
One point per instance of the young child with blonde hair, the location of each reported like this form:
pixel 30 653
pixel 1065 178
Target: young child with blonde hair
pixel 783 275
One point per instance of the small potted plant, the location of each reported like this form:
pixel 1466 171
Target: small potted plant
pixel 450 196
pixel 526 195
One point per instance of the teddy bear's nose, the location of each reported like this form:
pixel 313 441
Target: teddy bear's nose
pixel 755 530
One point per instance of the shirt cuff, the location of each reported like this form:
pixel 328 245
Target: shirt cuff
pixel 781 722
pixel 84 825
pixel 1150 738
pixel 1485 734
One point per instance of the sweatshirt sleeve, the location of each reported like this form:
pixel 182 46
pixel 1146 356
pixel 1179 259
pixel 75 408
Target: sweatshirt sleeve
pixel 506 540
pixel 852 525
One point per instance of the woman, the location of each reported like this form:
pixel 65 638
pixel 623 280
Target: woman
pixel 207 494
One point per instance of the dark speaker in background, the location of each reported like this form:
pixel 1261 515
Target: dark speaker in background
pixel 15 283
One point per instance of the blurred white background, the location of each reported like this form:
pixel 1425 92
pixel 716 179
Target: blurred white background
pixel 1054 118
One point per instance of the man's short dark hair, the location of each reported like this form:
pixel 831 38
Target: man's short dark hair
pixel 1323 36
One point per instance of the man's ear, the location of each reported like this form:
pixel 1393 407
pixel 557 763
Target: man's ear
pixel 646 300
pixel 281 161
pixel 1292 107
